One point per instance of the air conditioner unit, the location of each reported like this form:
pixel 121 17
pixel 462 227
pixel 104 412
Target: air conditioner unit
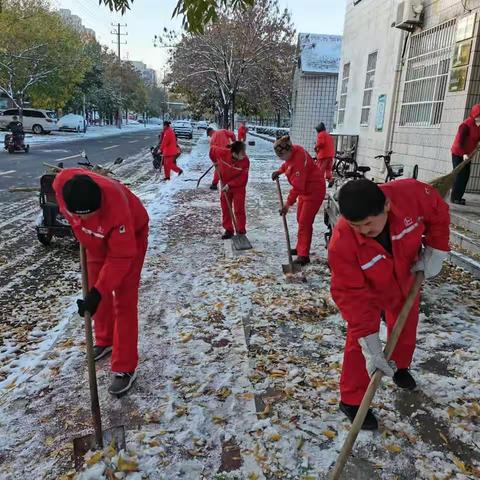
pixel 409 15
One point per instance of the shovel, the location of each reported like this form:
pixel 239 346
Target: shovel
pixel 291 267
pixel 240 241
pixel 200 179
pixel 114 436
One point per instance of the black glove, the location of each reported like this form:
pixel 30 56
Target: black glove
pixel 331 183
pixel 90 303
pixel 275 175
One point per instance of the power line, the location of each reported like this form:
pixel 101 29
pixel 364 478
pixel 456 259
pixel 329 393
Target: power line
pixel 117 30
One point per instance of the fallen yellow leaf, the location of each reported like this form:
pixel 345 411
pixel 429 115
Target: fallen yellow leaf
pixel 329 434
pixel 275 437
pixel 393 448
pixel 127 465
pixel 95 458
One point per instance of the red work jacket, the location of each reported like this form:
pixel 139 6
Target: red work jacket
pixel 110 234
pixel 302 174
pixel 468 135
pixel 233 173
pixel 325 146
pixel 169 142
pixel 366 279
pixel 242 133
pixel 222 138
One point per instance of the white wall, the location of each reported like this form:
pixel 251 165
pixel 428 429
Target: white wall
pixel 368 28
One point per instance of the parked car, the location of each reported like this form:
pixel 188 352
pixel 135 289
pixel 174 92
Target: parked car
pixel 202 125
pixel 72 122
pixel 34 120
pixel 183 128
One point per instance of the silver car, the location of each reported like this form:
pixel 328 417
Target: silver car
pixel 183 128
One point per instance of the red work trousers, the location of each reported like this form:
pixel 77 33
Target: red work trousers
pixel 169 165
pixel 354 379
pixel 236 196
pixel 307 208
pixel 116 319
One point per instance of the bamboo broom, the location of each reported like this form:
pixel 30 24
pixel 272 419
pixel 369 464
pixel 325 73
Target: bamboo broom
pixel 443 185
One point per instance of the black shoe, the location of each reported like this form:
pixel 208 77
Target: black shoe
pixel 227 235
pixel 370 422
pixel 100 352
pixel 180 172
pixel 122 382
pixel 166 179
pixel 213 187
pixel 459 202
pixel 403 379
pixel 302 261
pixel 293 251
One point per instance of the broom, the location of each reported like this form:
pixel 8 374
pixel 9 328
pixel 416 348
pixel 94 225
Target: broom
pixel 443 185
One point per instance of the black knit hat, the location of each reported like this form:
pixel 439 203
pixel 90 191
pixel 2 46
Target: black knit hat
pixel 82 195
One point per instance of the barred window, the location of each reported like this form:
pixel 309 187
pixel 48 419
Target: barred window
pixel 343 94
pixel 426 76
pixel 368 92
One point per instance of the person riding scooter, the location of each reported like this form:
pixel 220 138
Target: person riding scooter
pixel 15 140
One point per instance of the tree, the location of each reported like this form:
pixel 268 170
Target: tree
pixel 232 54
pixel 196 13
pixel 40 56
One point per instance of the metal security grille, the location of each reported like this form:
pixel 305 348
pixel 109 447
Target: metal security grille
pixel 343 94
pixel 367 93
pixel 474 182
pixel 426 76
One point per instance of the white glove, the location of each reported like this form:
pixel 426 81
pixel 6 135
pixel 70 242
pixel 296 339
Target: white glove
pixel 465 157
pixel 226 188
pixel 373 352
pixel 430 262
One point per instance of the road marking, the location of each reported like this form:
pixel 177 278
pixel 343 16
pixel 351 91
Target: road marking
pixel 7 172
pixel 68 158
pixel 146 137
pixel 108 148
pixel 133 141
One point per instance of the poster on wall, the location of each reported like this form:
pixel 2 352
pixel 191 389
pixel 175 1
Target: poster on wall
pixel 458 79
pixel 379 118
pixel 461 53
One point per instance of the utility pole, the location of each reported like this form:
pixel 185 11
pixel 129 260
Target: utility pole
pixel 117 30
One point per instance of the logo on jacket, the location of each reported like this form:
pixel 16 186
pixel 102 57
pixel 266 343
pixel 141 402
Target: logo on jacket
pixel 100 229
pixel 297 174
pixel 122 229
pixel 428 190
pixel 408 221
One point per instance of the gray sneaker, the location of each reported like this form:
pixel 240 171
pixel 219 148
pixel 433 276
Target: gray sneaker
pixel 122 382
pixel 100 352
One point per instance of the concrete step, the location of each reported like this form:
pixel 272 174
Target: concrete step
pixel 465 222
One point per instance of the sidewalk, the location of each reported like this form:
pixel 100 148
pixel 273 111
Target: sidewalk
pixel 238 376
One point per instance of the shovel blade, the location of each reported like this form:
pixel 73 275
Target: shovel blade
pixel 241 242
pixel 114 436
pixel 291 269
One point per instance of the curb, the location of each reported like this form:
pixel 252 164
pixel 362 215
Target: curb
pixel 465 262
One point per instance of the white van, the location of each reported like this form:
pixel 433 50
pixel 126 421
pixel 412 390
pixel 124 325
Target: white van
pixel 34 120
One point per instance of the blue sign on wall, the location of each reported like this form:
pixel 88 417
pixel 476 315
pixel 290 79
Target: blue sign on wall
pixel 381 106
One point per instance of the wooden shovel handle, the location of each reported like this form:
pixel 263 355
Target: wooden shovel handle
pixel 285 225
pixel 376 378
pixel 92 374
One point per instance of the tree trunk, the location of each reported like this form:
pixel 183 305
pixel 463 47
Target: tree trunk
pixel 233 112
pixel 225 116
pixel 278 120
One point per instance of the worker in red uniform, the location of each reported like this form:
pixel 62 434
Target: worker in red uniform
pixel 325 151
pixel 242 132
pixel 308 185
pixel 232 165
pixel 169 150
pixel 385 233
pixel 112 224
pixel 465 143
pixel 219 138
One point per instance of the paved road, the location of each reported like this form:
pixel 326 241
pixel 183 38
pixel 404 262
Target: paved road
pixel 25 169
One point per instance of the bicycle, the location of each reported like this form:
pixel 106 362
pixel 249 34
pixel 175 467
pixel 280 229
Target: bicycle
pixel 393 171
pixel 345 162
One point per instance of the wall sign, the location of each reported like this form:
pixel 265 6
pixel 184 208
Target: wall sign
pixel 379 118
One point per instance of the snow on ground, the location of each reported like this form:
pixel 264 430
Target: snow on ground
pixel 238 373
pixel 92 132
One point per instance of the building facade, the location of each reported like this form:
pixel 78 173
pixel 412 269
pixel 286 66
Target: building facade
pixel 149 75
pixel 314 86
pixel 409 76
pixel 75 22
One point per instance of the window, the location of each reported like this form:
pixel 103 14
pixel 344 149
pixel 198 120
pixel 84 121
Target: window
pixel 368 92
pixel 13 111
pixel 426 76
pixel 343 94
